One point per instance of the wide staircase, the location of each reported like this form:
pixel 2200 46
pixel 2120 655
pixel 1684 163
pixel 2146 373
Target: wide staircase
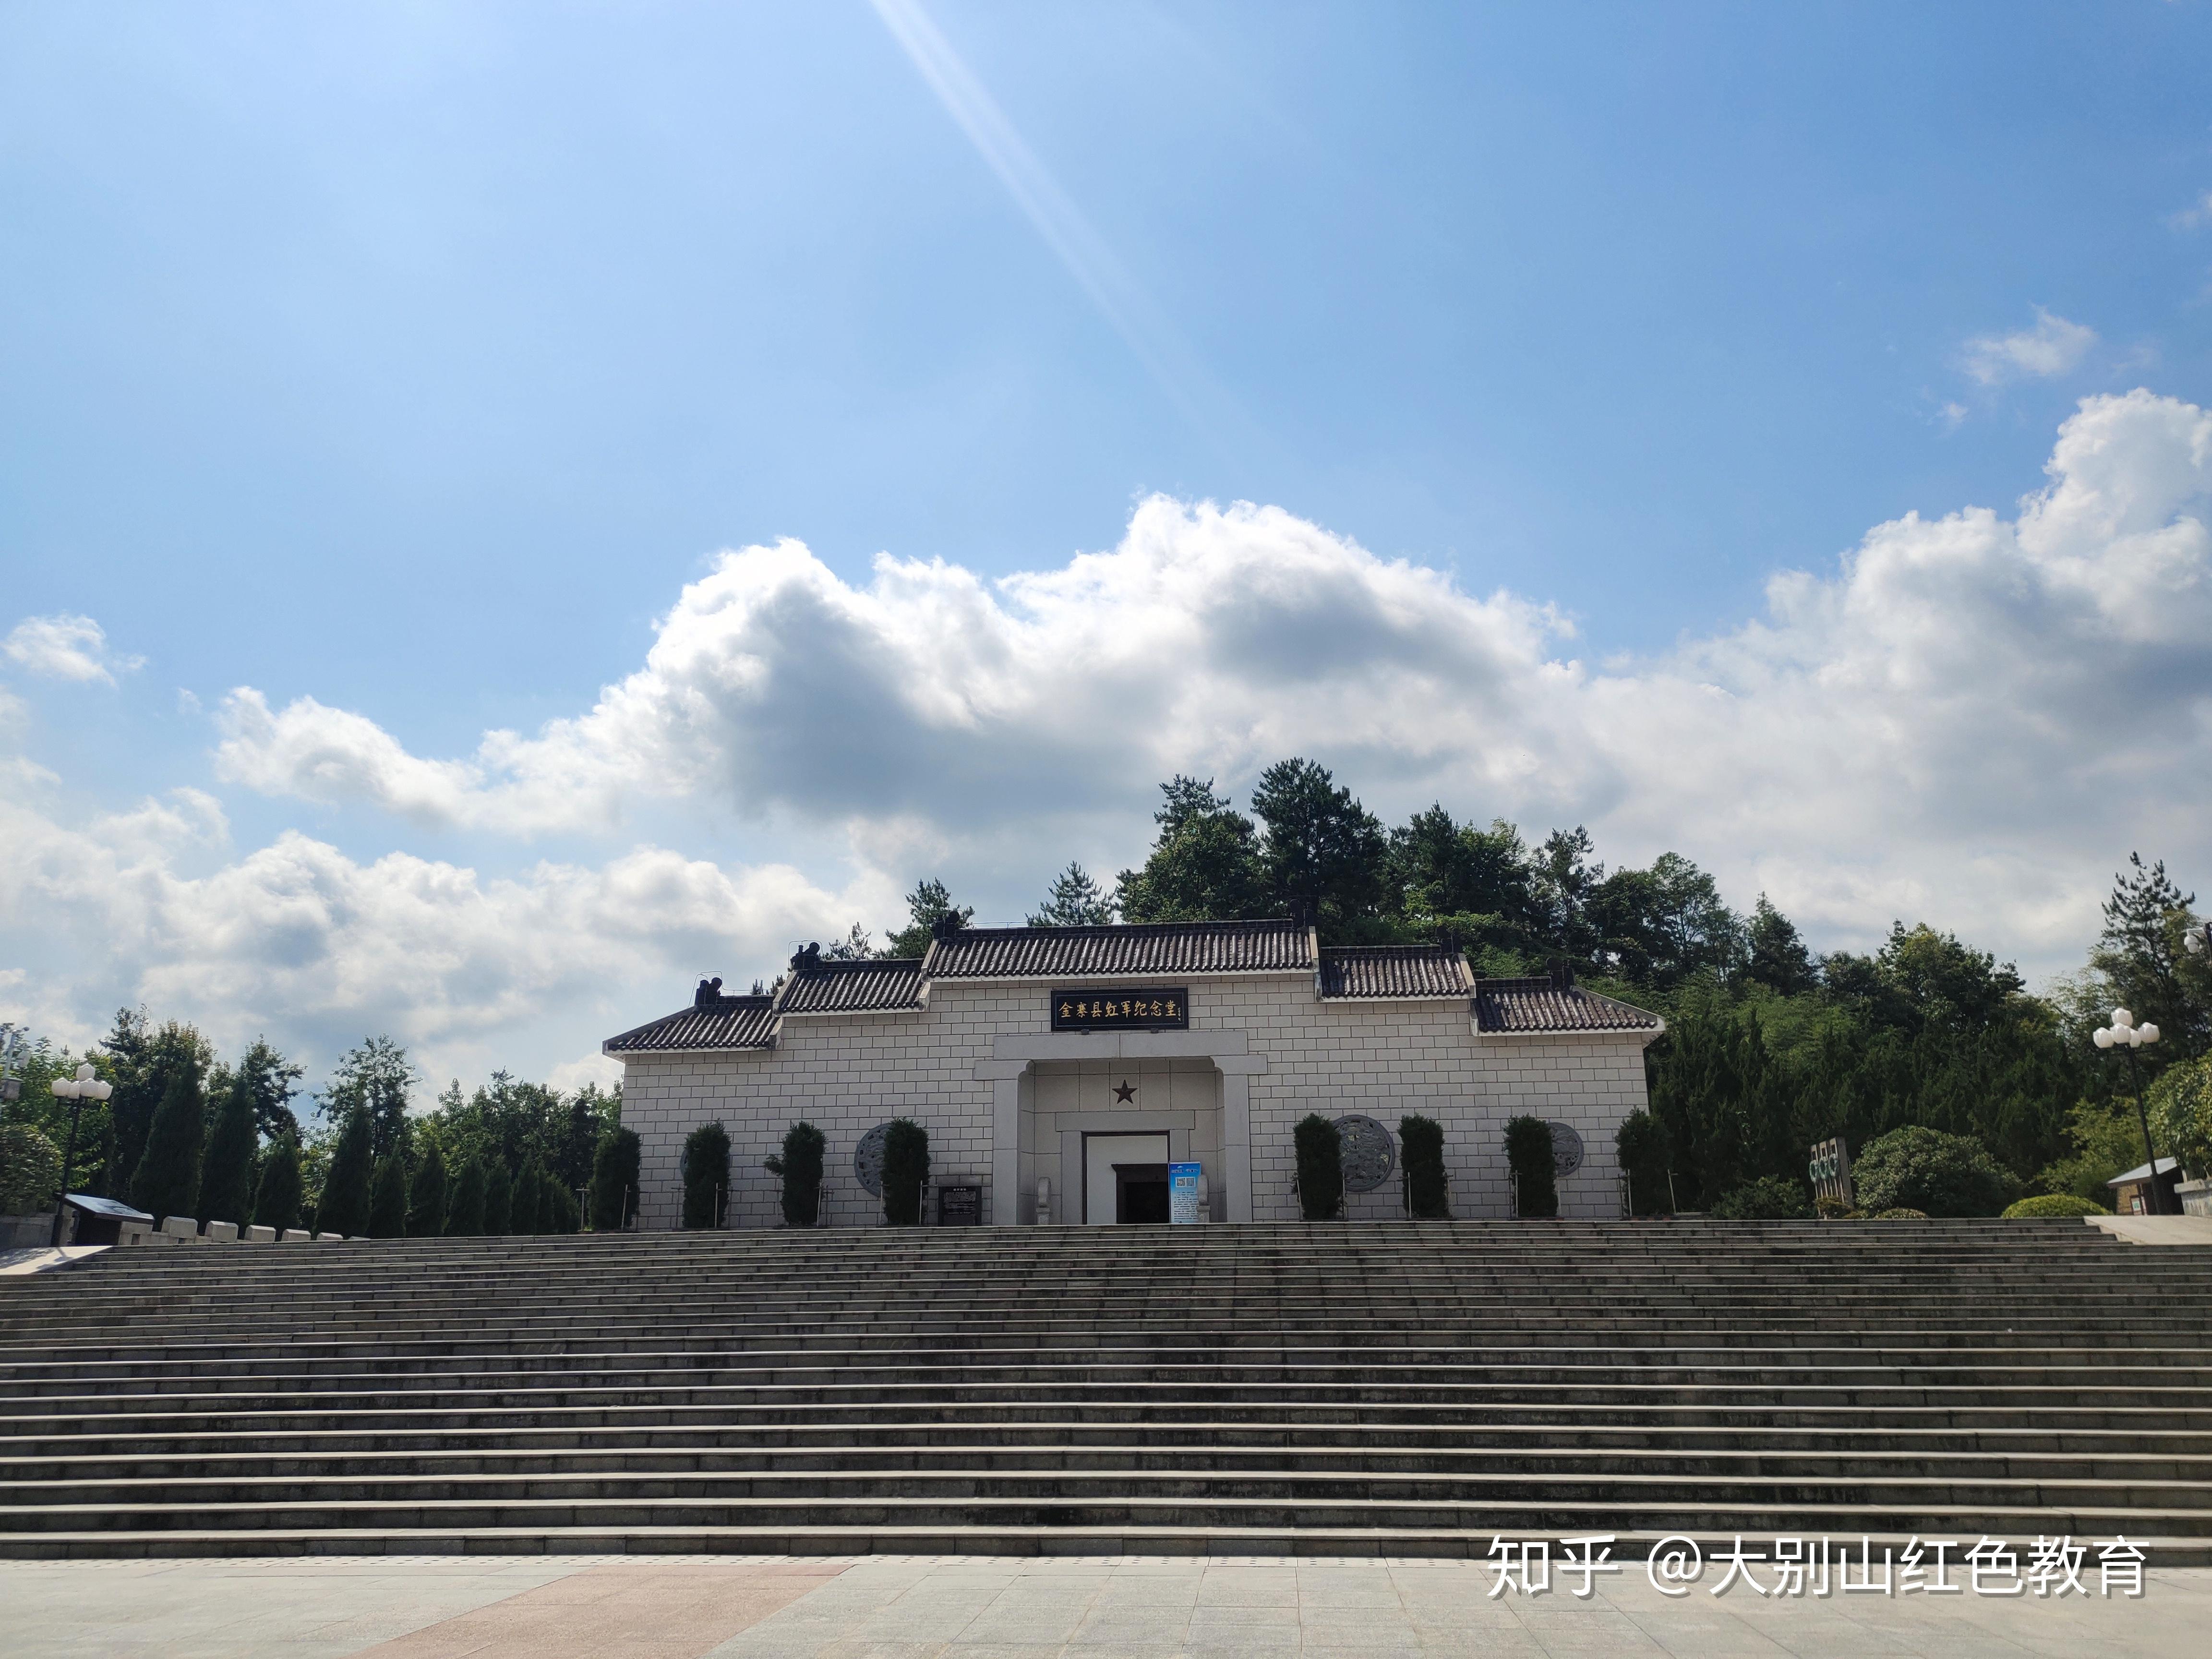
pixel 1400 1388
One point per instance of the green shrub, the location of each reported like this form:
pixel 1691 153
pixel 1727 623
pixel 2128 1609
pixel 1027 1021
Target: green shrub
pixel 227 1162
pixel 168 1180
pixel 1320 1168
pixel 387 1197
pixel 426 1214
pixel 2179 1106
pixel 1645 1155
pixel 1902 1214
pixel 2053 1204
pixel 1421 1145
pixel 30 1170
pixel 1528 1149
pixel 344 1206
pixel 464 1216
pixel 276 1201
pixel 1920 1168
pixel 1834 1209
pixel 906 1167
pixel 1769 1198
pixel 706 1175
pixel 614 1181
pixel 797 1170
pixel 499 1199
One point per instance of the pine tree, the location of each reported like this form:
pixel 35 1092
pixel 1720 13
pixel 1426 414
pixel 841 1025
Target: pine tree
pixel 227 1164
pixel 387 1197
pixel 929 904
pixel 1075 901
pixel 499 1199
pixel 168 1180
pixel 465 1218
pixel 426 1215
pixel 344 1206
pixel 276 1201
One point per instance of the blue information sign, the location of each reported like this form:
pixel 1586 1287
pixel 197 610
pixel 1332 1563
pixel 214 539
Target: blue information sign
pixel 1183 1192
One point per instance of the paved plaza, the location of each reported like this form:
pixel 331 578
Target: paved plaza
pixel 982 1607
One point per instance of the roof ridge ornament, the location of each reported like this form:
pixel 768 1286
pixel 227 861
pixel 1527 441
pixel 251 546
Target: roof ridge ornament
pixel 709 993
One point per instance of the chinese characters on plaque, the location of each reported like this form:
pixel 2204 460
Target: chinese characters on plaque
pixel 1154 1008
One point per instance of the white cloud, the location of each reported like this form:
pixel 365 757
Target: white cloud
pixel 1970 719
pixel 66 647
pixel 298 940
pixel 2197 213
pixel 2053 346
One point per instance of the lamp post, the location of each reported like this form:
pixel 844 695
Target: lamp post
pixel 2125 1033
pixel 76 1090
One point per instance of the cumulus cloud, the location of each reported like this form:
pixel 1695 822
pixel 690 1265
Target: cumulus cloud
pixel 298 939
pixel 2053 346
pixel 65 647
pixel 2197 214
pixel 1971 718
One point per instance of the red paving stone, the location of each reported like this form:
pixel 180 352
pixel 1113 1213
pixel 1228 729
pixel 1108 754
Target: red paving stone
pixel 616 1613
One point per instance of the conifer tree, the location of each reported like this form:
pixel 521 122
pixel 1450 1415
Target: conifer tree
pixel 523 1214
pixel 344 1207
pixel 276 1201
pixel 499 1199
pixel 227 1164
pixel 167 1182
pixel 387 1197
pixel 706 1175
pixel 464 1217
pixel 426 1214
pixel 614 1181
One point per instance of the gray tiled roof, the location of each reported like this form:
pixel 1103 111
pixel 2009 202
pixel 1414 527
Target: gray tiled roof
pixel 1150 949
pixel 1394 971
pixel 722 1022
pixel 1544 1005
pixel 853 988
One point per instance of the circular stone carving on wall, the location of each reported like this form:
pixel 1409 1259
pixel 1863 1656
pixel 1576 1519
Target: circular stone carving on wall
pixel 868 1159
pixel 1370 1153
pixel 1566 1149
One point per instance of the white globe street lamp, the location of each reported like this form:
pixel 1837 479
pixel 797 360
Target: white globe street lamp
pixel 77 1090
pixel 2123 1033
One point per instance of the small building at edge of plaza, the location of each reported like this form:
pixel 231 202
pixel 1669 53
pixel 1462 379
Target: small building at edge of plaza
pixel 1042 1060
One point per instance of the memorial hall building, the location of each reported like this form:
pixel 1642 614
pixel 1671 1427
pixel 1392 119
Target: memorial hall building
pixel 1059 1070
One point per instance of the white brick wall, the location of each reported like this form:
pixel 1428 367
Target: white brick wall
pixel 848 1074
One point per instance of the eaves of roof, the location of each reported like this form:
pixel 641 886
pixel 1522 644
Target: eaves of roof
pixel 1383 973
pixel 1544 1007
pixel 1151 951
pixel 722 1023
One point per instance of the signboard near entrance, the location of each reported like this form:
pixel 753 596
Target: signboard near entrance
pixel 1146 1008
pixel 1182 1194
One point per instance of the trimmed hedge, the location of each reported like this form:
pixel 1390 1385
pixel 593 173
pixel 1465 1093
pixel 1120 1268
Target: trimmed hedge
pixel 906 1167
pixel 614 1181
pixel 2053 1204
pixel 1646 1153
pixel 1320 1168
pixel 797 1170
pixel 1902 1214
pixel 706 1175
pixel 1528 1149
pixel 1421 1147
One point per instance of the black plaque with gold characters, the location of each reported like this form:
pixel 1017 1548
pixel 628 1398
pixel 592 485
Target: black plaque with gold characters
pixel 1153 1008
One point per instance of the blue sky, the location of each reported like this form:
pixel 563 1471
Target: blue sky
pixel 409 361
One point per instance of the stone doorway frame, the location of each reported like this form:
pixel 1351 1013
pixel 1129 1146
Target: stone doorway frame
pixel 1012 1054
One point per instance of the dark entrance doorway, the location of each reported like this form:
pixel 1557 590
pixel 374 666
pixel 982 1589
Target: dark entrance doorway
pixel 1140 1192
